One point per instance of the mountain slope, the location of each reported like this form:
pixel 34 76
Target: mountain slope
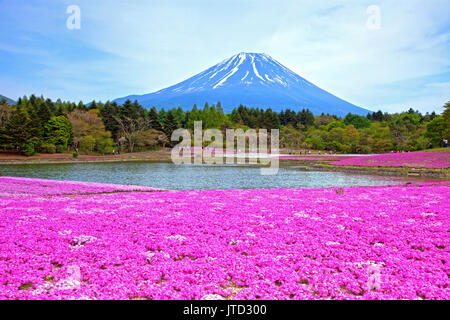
pixel 8 100
pixel 255 80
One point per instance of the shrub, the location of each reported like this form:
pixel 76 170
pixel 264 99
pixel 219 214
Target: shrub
pixel 60 148
pixel 47 148
pixel 75 154
pixel 28 149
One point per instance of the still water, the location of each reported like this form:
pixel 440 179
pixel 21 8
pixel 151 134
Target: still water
pixel 188 177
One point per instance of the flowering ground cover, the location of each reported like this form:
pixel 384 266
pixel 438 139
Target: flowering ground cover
pixel 315 157
pixel 12 186
pixel 336 243
pixel 408 159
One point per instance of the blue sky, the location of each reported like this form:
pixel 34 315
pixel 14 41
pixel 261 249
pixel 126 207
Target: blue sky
pixel 137 47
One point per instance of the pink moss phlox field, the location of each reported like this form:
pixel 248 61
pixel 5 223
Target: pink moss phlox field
pixel 12 186
pixel 315 157
pixel 336 243
pixel 408 159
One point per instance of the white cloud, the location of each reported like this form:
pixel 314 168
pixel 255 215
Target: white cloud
pixel 336 51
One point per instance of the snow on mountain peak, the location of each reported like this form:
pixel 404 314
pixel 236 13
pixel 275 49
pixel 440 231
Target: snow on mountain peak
pixel 253 79
pixel 241 69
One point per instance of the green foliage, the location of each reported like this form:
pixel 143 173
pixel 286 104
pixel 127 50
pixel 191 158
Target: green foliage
pixel 105 145
pixel 154 119
pixel 28 149
pixel 19 127
pixel 170 124
pixel 446 116
pixel 38 124
pixel 436 131
pixel 211 117
pixel 88 123
pixel 47 148
pixel 357 121
pixel 336 124
pixel 316 142
pixel 108 113
pixel 87 144
pixel 382 146
pixel 291 137
pixel 58 131
pixel 61 148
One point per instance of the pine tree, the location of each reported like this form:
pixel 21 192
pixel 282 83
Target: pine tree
pixel 154 119
pixel 194 115
pixel 19 127
pixel 81 106
pixel 162 114
pixel 44 113
pixel 179 116
pixel 170 124
pixel 58 131
pixel 219 108
pixel 108 114
pixel 93 105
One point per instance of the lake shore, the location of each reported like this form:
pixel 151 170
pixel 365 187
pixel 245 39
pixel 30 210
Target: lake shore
pixel 13 158
pixel 313 162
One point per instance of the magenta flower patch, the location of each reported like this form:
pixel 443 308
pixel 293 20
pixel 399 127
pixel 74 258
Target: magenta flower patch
pixel 315 157
pixel 337 243
pixel 11 186
pixel 408 159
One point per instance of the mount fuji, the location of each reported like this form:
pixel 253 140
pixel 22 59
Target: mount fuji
pixel 251 79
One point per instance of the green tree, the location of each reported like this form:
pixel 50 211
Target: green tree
pixel 316 142
pixel 270 120
pixel 351 137
pixel 87 123
pixel 357 121
pixel 108 113
pixel 105 145
pixel 170 124
pixel 403 126
pixel 305 117
pixel 153 119
pixel 436 131
pixel 58 131
pixel 19 127
pixel 162 114
pixel 192 116
pixel 446 116
pixel 87 144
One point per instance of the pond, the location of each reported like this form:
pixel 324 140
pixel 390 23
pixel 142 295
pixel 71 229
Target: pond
pixel 189 177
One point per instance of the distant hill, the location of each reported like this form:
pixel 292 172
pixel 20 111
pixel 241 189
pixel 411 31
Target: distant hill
pixel 9 101
pixel 251 79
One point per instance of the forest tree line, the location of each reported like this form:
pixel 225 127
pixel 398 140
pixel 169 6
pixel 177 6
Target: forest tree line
pixel 39 125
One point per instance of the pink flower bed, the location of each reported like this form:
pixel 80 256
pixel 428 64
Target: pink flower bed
pixel 11 186
pixel 351 243
pixel 408 159
pixel 315 157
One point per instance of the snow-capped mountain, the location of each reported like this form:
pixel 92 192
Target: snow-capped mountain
pixel 251 79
